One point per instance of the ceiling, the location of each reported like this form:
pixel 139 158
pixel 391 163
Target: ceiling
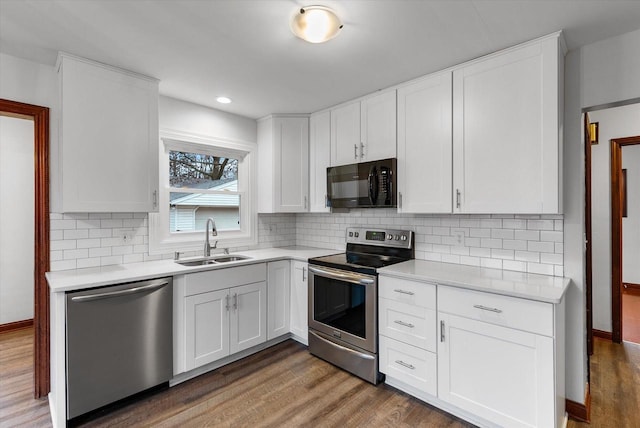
pixel 244 49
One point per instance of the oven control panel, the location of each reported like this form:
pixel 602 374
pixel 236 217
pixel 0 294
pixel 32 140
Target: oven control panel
pixel 382 237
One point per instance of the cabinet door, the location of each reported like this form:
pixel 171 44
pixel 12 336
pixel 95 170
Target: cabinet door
pixel 248 323
pixel 291 164
pixel 500 374
pixel 506 132
pixel 345 134
pixel 299 302
pixel 108 139
pixel 207 328
pixel 425 146
pixel 378 127
pixel 319 160
pixel 278 295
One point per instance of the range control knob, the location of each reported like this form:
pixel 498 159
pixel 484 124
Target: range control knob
pixel 356 234
pixel 350 234
pixel 397 237
pixel 389 237
pixel 403 237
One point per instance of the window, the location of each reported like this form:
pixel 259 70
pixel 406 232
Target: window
pixel 200 179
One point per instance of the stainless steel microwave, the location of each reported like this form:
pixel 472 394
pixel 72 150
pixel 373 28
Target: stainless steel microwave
pixel 362 185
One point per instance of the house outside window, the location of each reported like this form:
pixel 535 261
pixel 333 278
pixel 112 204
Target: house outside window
pixel 203 178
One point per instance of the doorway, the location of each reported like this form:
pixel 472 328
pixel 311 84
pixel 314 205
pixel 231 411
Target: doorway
pixel 605 212
pixel 625 237
pixel 40 117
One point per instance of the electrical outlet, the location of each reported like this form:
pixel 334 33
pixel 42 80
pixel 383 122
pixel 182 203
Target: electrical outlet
pixel 458 235
pixel 125 235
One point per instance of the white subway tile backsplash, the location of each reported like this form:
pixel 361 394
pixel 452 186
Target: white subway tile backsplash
pixel 524 243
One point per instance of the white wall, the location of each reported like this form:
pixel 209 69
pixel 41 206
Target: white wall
pixel 614 123
pixel 16 219
pixel 596 74
pixel 631 223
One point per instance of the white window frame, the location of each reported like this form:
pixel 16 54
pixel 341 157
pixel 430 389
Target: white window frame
pixel 161 239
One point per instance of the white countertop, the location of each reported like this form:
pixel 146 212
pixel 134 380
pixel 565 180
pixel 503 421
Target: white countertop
pixel 542 288
pixel 77 279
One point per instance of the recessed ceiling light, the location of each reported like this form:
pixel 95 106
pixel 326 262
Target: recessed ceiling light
pixel 223 100
pixel 316 24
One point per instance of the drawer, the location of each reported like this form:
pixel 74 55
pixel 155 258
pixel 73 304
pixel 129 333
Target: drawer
pixel 219 279
pixel 513 312
pixel 408 323
pixel 411 292
pixel 413 366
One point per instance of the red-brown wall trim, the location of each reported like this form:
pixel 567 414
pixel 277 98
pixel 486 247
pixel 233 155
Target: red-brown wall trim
pixel 40 117
pixel 17 325
pixel 578 411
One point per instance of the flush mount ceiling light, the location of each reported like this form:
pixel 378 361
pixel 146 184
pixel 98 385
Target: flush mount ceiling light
pixel 316 24
pixel 223 100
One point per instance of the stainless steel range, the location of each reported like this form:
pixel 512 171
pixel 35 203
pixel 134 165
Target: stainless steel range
pixel 343 298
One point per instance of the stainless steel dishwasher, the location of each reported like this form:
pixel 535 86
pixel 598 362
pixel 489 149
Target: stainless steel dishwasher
pixel 119 342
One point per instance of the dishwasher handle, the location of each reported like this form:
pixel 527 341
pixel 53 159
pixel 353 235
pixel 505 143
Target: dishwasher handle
pixel 111 294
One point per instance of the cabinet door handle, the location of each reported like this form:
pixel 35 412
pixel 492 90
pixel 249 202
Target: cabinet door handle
pixel 486 308
pixel 355 151
pixel 305 202
pixel 155 199
pixel 235 301
pixel 326 201
pixel 361 150
pixel 457 198
pixel 304 274
pixel 226 298
pixel 400 199
pixel 409 293
pixel 407 365
pixel 441 330
pixel 406 324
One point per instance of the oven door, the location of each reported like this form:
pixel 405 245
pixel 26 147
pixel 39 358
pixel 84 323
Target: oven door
pixel 342 305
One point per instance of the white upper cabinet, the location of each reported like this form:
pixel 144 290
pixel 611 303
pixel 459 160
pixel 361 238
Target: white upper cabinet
pixel 108 138
pixel 283 167
pixel 424 145
pixel 319 160
pixel 345 134
pixel 507 113
pixel 364 130
pixel 378 126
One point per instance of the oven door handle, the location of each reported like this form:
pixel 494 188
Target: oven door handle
pixel 350 277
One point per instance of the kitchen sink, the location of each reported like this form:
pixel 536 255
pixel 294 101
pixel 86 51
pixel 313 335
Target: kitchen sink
pixel 230 258
pixel 212 260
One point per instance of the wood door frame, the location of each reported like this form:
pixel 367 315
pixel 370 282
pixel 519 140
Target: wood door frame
pixel 589 246
pixel 616 233
pixel 40 117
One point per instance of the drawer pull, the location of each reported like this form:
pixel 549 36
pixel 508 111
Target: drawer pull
pixel 485 308
pixel 410 293
pixel 407 365
pixel 406 324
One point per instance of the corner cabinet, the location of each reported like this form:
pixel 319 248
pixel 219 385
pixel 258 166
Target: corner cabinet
pixel 424 145
pixel 319 160
pixel 108 138
pixel 507 131
pixel 364 130
pixel 283 166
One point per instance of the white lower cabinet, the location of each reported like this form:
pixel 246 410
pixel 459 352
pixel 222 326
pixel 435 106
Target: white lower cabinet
pixel 490 359
pixel 278 295
pixel 299 302
pixel 500 374
pixel 225 311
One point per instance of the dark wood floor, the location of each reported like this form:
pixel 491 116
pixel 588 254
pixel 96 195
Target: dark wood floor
pixel 284 386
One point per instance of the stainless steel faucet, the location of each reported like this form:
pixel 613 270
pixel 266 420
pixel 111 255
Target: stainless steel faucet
pixel 207 246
